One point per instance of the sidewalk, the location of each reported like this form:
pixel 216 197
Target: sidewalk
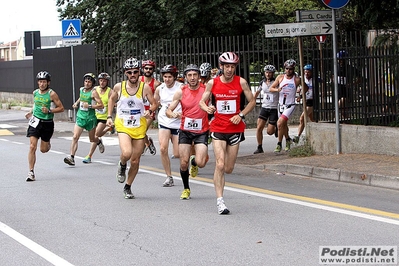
pixel 366 169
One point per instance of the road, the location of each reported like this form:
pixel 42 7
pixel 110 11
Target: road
pixel 78 216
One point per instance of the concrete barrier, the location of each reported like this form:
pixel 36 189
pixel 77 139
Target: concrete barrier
pixel 354 139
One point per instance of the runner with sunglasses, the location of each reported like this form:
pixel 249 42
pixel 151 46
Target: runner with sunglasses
pixel 286 84
pixel 130 121
pixel 148 68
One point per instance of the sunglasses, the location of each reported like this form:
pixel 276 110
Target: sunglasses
pixel 132 72
pixel 148 68
pixel 289 68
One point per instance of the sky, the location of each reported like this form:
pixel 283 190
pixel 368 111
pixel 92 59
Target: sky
pixel 19 16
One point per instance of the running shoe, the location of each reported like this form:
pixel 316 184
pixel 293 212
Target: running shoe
pixel 127 192
pixel 277 149
pixel 31 177
pixel 100 145
pixel 222 209
pixel 151 146
pixel 145 149
pixel 168 182
pixel 185 194
pixel 121 174
pixel 258 150
pixel 193 169
pixel 296 139
pixel 288 144
pixel 69 160
pixel 87 159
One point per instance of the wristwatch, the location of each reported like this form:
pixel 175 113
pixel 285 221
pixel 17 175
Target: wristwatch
pixel 242 115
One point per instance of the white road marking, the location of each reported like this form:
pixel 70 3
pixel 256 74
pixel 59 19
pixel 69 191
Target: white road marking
pixel 36 248
pixel 5 126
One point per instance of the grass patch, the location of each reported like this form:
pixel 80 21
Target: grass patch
pixel 304 150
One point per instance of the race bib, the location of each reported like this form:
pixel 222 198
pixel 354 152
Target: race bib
pixel 81 106
pixel 101 111
pixel 192 124
pixel 226 107
pixel 131 118
pixel 34 121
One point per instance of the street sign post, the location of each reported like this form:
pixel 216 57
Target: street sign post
pixel 71 32
pixel 297 29
pixel 317 15
pixel 72 35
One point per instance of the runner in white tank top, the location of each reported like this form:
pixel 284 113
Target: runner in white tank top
pixel 286 84
pixel 168 127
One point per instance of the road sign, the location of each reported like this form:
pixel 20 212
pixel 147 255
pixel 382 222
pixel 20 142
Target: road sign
pixel 321 38
pixel 298 29
pixel 334 4
pixel 317 15
pixel 71 32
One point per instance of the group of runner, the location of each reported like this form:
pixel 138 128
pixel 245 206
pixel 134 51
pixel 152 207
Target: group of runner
pixel 183 117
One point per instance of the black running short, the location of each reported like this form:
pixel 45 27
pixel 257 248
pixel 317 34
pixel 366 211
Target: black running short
pixel 43 130
pixel 231 138
pixel 186 137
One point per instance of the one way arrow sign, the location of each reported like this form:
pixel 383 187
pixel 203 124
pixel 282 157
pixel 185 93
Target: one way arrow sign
pixel 297 29
pixel 327 27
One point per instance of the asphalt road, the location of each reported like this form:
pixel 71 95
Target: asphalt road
pixel 78 216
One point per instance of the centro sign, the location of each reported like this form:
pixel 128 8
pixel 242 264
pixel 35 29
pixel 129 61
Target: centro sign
pixel 297 29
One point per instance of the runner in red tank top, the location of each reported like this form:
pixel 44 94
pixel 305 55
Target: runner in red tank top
pixel 193 128
pixel 148 68
pixel 228 126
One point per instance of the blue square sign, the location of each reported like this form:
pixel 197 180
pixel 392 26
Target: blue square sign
pixel 71 29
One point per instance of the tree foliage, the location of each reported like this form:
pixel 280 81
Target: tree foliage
pixel 128 20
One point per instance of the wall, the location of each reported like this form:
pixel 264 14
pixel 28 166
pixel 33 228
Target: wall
pixel 354 139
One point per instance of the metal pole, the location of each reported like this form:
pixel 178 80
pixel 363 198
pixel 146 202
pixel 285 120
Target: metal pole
pixel 33 40
pixel 73 83
pixel 337 129
pixel 305 113
pixel 322 76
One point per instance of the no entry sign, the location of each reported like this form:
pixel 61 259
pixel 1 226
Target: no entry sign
pixel 334 4
pixel 321 38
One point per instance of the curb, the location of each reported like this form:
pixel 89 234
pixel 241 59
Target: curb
pixel 359 178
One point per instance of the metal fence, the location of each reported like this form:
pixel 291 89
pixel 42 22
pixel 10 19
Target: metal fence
pixel 371 100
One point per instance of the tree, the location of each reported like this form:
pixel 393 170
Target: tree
pixel 126 20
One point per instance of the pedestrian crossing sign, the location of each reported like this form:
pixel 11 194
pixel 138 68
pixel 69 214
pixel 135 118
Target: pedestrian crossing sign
pixel 71 29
